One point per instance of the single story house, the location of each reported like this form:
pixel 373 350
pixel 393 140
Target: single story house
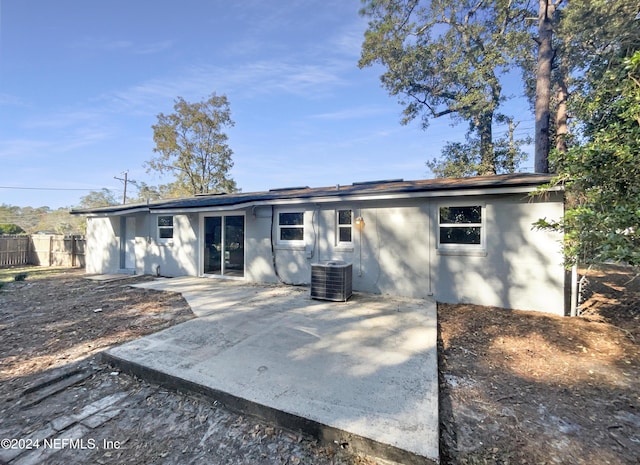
pixel 467 240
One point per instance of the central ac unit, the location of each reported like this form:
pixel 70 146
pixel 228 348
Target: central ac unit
pixel 331 280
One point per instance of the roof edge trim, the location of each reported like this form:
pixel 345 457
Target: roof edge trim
pixel 355 198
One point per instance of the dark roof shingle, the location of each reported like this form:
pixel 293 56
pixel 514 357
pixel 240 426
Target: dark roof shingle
pixel 363 188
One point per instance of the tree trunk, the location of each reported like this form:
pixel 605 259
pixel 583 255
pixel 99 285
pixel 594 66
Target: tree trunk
pixel 543 84
pixel 510 164
pixel 487 156
pixel 561 113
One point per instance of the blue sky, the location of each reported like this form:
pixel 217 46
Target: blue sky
pixel 81 83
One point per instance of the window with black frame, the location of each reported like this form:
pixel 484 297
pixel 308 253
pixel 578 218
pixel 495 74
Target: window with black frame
pixel 291 227
pixel 345 227
pixel 165 227
pixel 460 225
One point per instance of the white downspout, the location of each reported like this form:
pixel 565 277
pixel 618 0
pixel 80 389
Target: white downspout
pixel 431 245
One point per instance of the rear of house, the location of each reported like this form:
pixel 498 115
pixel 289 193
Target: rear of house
pixel 459 240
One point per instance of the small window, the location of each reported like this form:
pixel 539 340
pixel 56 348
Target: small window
pixel 460 226
pixel 345 227
pixel 165 227
pixel 291 227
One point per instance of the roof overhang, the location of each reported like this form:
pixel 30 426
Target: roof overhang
pixel 359 192
pixel 112 212
pixel 352 198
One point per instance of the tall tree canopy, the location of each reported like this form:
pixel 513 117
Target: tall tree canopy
pixel 102 198
pixel 601 174
pixel 445 57
pixel 577 41
pixel 464 159
pixel 593 36
pixel 32 220
pixel 597 71
pixel 191 145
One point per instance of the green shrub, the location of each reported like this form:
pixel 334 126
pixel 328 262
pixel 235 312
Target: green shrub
pixel 11 229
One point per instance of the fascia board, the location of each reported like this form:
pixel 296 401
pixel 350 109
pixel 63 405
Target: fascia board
pixel 114 213
pixel 356 198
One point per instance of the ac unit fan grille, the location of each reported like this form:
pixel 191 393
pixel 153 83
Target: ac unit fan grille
pixel 332 281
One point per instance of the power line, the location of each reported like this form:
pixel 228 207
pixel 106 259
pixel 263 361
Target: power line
pixel 126 181
pixel 30 216
pixel 50 188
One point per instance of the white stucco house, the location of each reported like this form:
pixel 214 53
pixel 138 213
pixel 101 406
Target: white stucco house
pixel 467 240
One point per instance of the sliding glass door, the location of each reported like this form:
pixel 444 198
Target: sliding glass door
pixel 224 245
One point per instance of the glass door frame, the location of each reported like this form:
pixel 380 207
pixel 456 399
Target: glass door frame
pixel 202 244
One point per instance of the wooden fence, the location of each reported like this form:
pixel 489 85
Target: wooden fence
pixel 42 250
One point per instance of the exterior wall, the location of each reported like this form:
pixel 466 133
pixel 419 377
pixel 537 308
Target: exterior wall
pixel 292 263
pixel 396 252
pixel 258 257
pixel 392 252
pixel 174 257
pixel 103 245
pixel 522 268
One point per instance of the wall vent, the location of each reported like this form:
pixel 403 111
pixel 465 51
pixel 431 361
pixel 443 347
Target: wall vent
pixel 332 280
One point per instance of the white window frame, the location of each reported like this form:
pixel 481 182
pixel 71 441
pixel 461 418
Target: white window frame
pixel 462 249
pixel 279 228
pixel 159 228
pixel 339 226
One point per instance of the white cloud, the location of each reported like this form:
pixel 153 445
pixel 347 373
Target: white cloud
pixel 349 41
pixel 146 97
pixel 249 79
pixel 360 112
pixel 8 99
pixel 64 119
pixel 154 47
pixel 23 148
pixel 82 137
pixel 120 45
pixel 51 144
pixel 101 43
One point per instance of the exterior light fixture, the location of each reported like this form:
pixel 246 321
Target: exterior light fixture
pixel 359 223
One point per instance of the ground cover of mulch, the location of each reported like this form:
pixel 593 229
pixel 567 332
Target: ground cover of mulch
pixel 526 388
pixel 515 387
pixel 54 388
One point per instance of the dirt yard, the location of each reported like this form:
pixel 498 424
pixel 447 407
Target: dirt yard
pixel 52 385
pixel 523 388
pixel 515 387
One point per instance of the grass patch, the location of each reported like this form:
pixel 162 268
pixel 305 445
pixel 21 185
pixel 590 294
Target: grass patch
pixel 20 273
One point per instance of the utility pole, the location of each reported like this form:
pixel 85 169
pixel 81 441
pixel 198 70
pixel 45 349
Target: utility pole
pixel 125 180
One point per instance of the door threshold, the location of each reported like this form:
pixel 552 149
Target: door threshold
pixel 126 271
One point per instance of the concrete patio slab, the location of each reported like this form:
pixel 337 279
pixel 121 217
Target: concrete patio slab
pixel 362 373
